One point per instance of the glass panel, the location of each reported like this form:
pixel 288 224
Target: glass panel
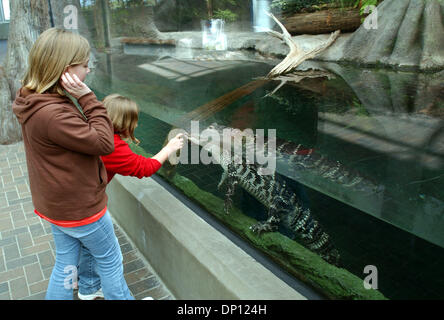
pixel 359 151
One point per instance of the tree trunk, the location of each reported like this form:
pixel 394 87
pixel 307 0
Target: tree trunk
pixel 409 35
pixel 101 23
pixel 29 18
pixel 325 21
pixel 59 15
pixel 210 9
pixel 143 22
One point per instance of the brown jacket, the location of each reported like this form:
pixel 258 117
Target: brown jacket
pixel 66 176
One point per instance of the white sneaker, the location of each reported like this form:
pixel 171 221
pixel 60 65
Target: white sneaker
pixel 148 298
pixel 97 294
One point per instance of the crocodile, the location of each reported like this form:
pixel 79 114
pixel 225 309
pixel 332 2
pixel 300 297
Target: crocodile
pixel 276 196
pixel 282 204
pixel 300 158
pixel 297 158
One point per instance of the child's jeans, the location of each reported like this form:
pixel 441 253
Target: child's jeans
pixel 101 242
pixel 89 279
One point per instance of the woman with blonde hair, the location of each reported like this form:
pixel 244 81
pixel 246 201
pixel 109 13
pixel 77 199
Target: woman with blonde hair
pixel 63 144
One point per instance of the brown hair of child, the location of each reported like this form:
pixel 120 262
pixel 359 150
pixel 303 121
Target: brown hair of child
pixel 124 114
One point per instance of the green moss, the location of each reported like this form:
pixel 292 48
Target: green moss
pixel 333 282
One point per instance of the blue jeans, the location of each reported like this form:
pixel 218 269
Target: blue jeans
pixel 88 273
pixel 102 245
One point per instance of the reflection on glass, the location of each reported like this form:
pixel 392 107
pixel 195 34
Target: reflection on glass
pixel 213 36
pixel 6 10
pixel 261 21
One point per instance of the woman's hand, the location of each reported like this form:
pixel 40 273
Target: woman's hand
pixel 175 144
pixel 74 86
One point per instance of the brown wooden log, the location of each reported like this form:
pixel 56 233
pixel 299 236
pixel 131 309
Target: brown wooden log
pixel 142 40
pixel 324 21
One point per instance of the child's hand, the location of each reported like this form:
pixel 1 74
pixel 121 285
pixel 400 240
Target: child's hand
pixel 74 86
pixel 176 143
pixel 172 146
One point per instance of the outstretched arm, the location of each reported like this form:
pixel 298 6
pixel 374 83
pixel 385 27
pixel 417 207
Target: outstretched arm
pixel 127 163
pixel 173 145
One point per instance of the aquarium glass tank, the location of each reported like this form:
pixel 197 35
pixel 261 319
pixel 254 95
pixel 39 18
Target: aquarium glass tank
pixel 348 194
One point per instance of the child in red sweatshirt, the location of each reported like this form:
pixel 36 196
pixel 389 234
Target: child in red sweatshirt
pixel 124 114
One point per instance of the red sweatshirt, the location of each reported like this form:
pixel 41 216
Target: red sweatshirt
pixel 126 163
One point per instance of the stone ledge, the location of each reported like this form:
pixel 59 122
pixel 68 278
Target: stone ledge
pixel 192 259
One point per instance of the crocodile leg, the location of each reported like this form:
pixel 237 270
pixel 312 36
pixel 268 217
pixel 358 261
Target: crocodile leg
pixel 223 180
pixel 229 193
pixel 266 226
pixel 271 224
pixel 229 181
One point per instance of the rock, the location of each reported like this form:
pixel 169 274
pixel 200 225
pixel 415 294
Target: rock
pixel 409 36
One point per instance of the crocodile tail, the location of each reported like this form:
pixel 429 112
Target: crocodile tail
pixel 313 236
pixel 333 257
pixel 323 246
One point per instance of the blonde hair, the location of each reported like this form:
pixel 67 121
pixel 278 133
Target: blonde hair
pixel 53 51
pixel 124 114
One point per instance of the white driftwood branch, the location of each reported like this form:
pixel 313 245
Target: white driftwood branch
pixel 283 82
pixel 298 76
pixel 296 55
